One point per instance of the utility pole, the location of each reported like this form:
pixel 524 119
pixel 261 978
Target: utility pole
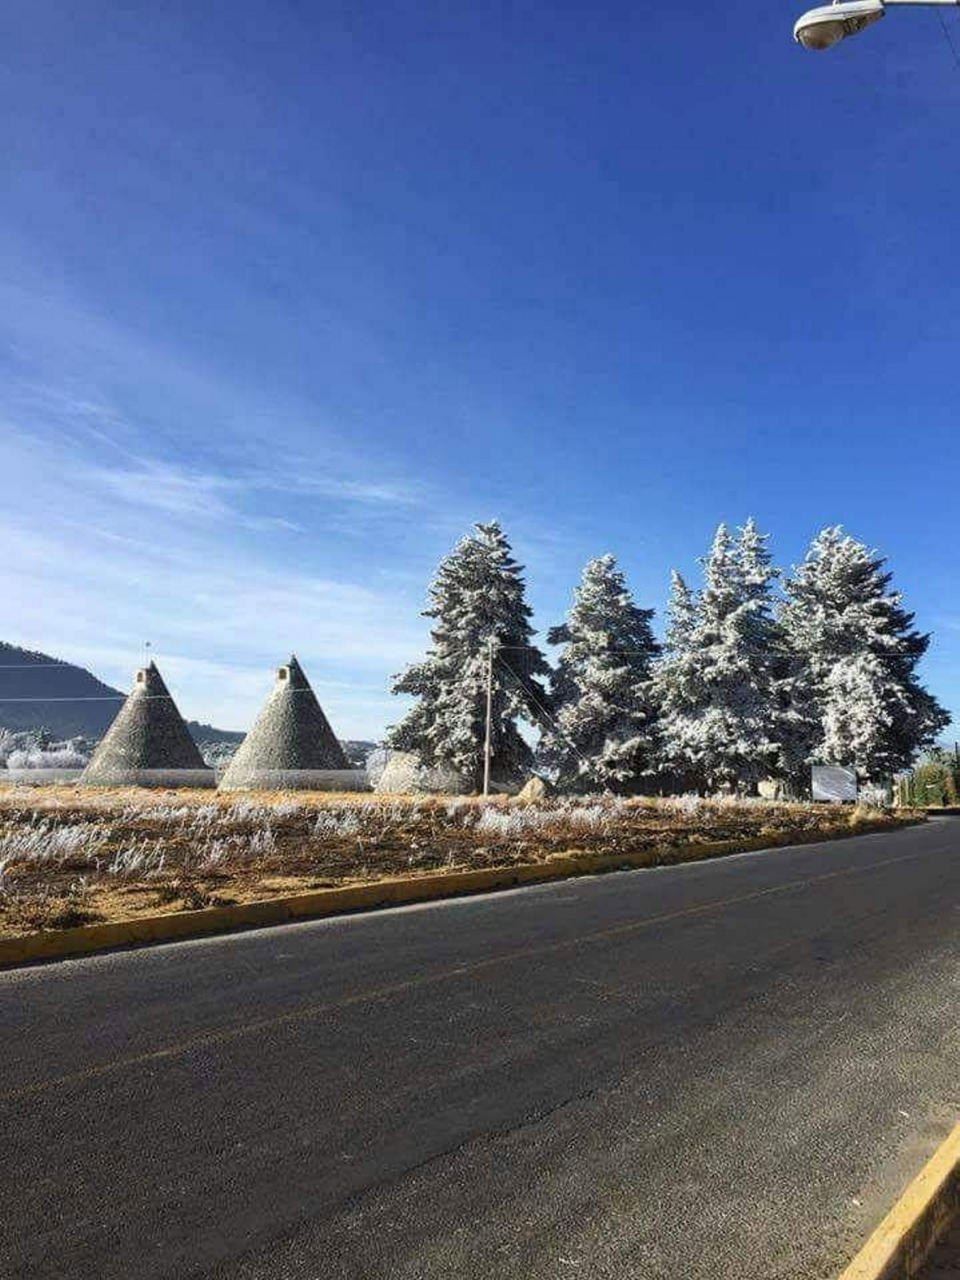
pixel 486 738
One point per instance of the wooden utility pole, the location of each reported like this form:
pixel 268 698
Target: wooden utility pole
pixel 486 738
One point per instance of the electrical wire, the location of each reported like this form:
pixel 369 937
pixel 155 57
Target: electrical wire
pixel 780 653
pixel 105 697
pixel 122 697
pixel 543 710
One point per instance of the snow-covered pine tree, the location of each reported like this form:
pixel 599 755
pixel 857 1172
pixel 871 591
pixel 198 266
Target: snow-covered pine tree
pixel 674 683
pixel 854 656
pixel 721 714
pixel 788 720
pixel 603 735
pixel 681 615
pixel 476 597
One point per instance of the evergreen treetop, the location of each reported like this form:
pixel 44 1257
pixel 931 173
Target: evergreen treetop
pixel 476 601
pixel 721 706
pixel 602 735
pixel 855 651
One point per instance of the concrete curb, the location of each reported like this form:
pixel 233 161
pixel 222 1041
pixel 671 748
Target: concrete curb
pixel 899 1246
pixel 59 943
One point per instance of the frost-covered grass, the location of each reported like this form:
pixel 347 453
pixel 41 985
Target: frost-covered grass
pixel 576 816
pixel 53 758
pixel 115 853
pixel 32 749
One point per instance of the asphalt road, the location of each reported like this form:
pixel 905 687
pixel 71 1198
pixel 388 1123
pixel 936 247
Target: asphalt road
pixel 727 1069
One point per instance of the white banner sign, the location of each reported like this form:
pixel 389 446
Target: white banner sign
pixel 833 783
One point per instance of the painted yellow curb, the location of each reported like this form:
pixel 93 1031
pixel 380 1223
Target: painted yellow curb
pixel 57 943
pixel 899 1246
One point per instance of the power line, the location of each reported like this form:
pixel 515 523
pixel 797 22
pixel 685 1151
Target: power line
pixel 141 697
pixel 780 653
pixel 521 648
pixel 36 666
pixel 543 710
pixel 107 697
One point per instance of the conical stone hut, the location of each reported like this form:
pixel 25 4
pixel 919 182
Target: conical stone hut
pixel 291 745
pixel 148 744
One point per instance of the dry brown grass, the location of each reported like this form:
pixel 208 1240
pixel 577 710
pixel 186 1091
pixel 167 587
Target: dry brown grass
pixel 72 855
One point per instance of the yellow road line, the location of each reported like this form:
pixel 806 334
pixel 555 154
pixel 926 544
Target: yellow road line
pixel 899 1246
pixel 275 1021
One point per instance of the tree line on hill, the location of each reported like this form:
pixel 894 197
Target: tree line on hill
pixel 750 683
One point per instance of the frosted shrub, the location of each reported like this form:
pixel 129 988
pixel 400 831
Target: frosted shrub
pixel 212 854
pixel 594 815
pixel 384 816
pixel 138 859
pixel 161 814
pixel 244 812
pixel 505 822
pixel 33 749
pixel 512 822
pixel 331 823
pixel 65 758
pixel 517 822
pixel 42 841
pixel 217 754
pixel 261 841
pixel 687 805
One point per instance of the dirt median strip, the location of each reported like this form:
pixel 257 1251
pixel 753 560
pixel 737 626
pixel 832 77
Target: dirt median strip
pixel 315 904
pixel 928 1207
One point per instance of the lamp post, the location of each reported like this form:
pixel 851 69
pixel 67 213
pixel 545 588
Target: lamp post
pixel 824 27
pixel 489 719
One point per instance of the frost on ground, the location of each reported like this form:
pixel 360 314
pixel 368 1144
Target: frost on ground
pixel 80 856
pixel 35 749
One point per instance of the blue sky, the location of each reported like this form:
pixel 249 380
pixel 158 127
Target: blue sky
pixel 292 293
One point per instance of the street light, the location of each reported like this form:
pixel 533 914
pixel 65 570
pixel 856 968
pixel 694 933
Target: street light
pixel 821 28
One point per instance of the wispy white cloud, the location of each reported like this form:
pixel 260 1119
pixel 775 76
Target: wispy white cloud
pixel 270 526
pixel 73 372
pixel 220 623
pixel 273 522
pixel 165 488
pixel 186 490
pixel 114 532
pixel 382 493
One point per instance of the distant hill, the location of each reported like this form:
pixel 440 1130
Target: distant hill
pixel 356 751
pixel 87 707
pixel 207 733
